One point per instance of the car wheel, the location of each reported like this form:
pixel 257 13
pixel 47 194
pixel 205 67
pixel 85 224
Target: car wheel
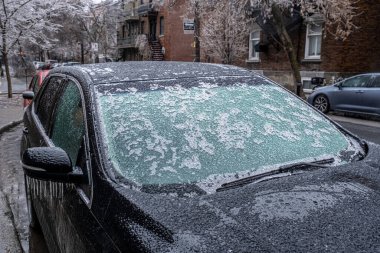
pixel 321 102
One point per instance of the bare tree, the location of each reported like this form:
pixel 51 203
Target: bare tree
pixel 99 24
pixel 337 16
pixel 224 31
pixel 27 21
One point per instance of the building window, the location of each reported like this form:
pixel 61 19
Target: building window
pixel 313 41
pixel 142 27
pixel 161 25
pixel 123 31
pixel 254 39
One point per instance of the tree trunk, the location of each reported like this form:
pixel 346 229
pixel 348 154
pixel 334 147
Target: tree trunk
pixel 289 49
pixel 1 69
pixel 197 33
pixel 6 63
pixel 8 74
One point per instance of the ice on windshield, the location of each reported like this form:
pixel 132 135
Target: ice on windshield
pixel 172 134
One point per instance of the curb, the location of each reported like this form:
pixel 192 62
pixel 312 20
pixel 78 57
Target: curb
pixel 10 126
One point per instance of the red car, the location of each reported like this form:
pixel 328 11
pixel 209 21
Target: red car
pixel 36 83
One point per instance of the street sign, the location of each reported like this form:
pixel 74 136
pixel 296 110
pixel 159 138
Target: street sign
pixel 188 26
pixel 94 47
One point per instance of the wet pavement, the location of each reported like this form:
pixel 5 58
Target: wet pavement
pixel 12 183
pixel 13 232
pixel 14 222
pixel 18 84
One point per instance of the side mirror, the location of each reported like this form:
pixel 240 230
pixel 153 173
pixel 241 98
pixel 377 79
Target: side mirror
pixel 50 164
pixel 339 85
pixel 28 94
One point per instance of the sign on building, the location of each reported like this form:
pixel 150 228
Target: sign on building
pixel 188 26
pixel 94 47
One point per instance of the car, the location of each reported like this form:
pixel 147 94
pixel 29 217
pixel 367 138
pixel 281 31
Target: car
pixel 192 157
pixel 358 94
pixel 35 85
pixel 50 61
pixel 38 64
pixel 70 63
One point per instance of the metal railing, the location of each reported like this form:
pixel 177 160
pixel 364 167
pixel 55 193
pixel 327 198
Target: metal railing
pixel 129 41
pixel 145 8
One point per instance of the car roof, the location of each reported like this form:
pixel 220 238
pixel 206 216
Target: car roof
pixel 114 72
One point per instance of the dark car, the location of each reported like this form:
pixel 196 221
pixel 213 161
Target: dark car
pixel 191 157
pixel 358 94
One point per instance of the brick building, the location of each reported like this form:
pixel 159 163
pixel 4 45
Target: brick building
pixel 170 35
pixel 320 55
pixel 164 27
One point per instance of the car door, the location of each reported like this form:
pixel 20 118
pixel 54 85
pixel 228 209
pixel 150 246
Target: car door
pixel 371 96
pixel 349 96
pixel 64 210
pixel 75 226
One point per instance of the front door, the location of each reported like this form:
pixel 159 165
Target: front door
pixel 152 28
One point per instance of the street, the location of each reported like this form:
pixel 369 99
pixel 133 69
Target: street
pixel 18 84
pixel 368 130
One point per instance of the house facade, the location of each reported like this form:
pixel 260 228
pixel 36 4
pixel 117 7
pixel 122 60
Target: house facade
pixel 320 54
pixel 151 31
pixel 169 33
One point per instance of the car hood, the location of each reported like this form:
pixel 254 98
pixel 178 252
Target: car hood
pixel 330 209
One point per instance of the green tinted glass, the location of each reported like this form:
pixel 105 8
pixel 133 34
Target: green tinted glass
pixel 68 127
pixel 186 135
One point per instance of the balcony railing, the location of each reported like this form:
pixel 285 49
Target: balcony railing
pixel 127 42
pixel 130 14
pixel 145 9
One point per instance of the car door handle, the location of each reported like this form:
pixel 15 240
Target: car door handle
pixel 359 91
pixel 25 130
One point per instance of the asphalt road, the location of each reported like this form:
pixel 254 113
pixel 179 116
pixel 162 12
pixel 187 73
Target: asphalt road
pixel 18 84
pixel 366 129
pixel 368 133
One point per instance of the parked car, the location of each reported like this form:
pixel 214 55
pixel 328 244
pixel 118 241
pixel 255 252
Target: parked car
pixel 192 157
pixel 359 94
pixel 35 85
pixel 38 64
pixel 70 63
pixel 51 62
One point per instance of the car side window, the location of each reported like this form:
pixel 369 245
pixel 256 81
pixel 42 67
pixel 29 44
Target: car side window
pixel 68 124
pixel 359 81
pixel 376 82
pixel 46 101
pixel 32 82
pixel 36 87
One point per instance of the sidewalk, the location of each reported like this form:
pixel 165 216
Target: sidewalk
pixel 11 110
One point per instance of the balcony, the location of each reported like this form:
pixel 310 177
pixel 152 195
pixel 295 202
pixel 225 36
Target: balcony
pixel 129 15
pixel 145 9
pixel 127 42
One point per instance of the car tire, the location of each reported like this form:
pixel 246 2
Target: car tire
pixel 321 102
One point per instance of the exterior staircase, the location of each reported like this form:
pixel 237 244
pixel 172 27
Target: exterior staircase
pixel 156 48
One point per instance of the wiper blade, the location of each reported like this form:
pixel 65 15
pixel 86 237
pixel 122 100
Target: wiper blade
pixel 282 169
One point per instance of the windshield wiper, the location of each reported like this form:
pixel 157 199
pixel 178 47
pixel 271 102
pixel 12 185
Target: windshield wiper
pixel 282 169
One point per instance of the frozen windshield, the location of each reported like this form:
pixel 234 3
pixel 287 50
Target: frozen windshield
pixel 166 133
